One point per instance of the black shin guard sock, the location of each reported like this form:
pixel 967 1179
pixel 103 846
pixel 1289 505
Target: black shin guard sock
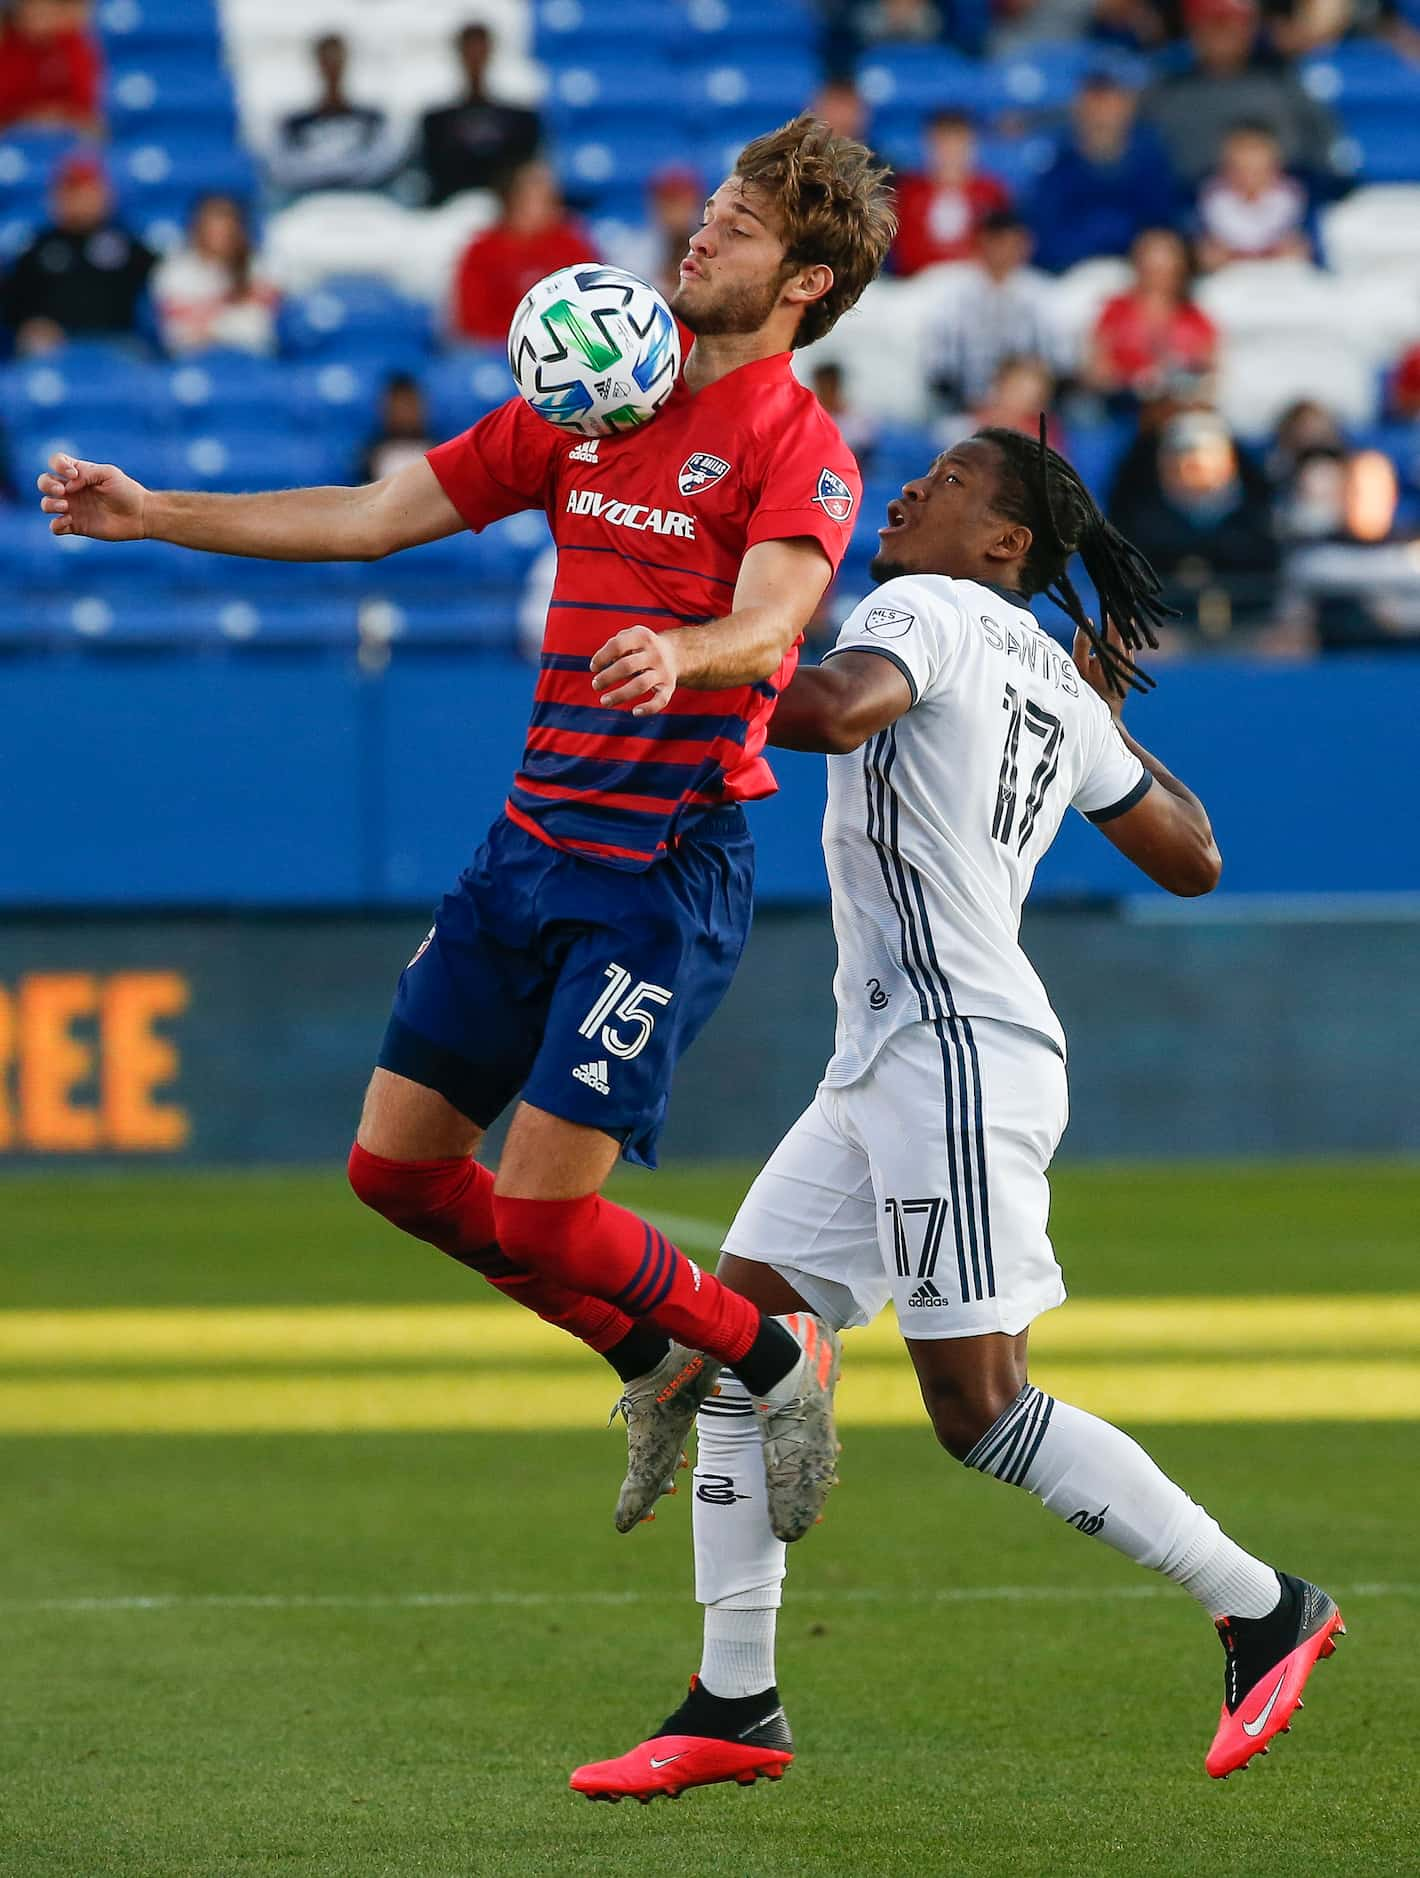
pixel 768 1359
pixel 638 1352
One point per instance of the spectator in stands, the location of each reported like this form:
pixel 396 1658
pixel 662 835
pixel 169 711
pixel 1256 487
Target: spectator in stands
pixel 49 67
pixel 1108 179
pixel 859 430
pixel 1405 385
pixel 1304 428
pixel 841 105
pixel 1207 528
pixel 940 210
pixel 1250 209
pixel 84 275
pixel 903 21
pixel 676 203
pixel 1020 391
pixel 476 142
pixel 336 144
pixel 1017 27
pixel 1347 582
pixel 1225 86
pixel 999 308
pixel 534 235
pixel 1149 334
pixel 404 434
pixel 208 293
pixel 1134 25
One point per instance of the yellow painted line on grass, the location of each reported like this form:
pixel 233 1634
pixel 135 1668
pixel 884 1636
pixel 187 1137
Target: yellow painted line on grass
pixel 873 1394
pixel 435 1333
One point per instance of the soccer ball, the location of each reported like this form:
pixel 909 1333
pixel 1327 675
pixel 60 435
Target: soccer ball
pixel 594 350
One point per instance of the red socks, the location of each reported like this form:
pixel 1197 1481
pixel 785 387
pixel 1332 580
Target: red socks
pixel 591 1245
pixel 449 1204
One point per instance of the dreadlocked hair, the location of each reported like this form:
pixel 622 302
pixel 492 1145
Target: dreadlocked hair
pixel 1040 490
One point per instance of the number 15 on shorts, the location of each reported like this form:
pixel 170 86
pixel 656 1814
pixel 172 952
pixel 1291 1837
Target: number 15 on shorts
pixel 623 1003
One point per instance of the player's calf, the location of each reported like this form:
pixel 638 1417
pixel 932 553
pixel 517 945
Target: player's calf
pixel 448 1203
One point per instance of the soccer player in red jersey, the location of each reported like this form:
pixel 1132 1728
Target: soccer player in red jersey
pixel 600 921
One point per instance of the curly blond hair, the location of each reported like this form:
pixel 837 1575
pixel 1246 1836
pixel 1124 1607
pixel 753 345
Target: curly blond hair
pixel 834 205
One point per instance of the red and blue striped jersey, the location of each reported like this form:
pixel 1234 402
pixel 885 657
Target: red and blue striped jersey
pixel 651 528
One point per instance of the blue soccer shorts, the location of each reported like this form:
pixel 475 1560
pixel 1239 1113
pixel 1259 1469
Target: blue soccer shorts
pixel 575 983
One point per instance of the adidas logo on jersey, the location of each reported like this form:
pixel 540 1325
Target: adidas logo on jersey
pixel 925 1296
pixel 584 452
pixel 594 1076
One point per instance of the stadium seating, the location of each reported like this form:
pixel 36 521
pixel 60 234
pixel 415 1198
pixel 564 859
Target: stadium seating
pixel 192 94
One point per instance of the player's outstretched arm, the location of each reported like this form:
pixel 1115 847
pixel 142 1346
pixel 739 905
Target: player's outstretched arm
pixel 1167 833
pixel 361 524
pixel 779 587
pixel 834 707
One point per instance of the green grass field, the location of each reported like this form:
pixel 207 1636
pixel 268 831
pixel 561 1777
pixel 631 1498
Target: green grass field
pixel 309 1566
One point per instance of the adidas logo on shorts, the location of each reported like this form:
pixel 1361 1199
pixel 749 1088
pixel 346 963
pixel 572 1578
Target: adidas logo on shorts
pixel 925 1296
pixel 594 1076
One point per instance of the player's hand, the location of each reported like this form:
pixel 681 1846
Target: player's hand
pixel 1090 669
pixel 92 499
pixel 637 667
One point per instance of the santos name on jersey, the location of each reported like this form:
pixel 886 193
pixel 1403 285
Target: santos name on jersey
pixel 934 828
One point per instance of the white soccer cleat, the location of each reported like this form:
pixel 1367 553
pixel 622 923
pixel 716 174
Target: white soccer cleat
pixel 796 1420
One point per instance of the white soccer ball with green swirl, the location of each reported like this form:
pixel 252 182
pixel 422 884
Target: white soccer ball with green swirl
pixel 594 350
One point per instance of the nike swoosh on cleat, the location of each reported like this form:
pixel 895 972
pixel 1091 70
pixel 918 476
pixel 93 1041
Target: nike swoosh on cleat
pixel 1256 1727
pixel 669 1758
pixel 763 1722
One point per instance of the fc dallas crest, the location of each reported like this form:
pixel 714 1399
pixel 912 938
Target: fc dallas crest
pixel 701 471
pixel 833 496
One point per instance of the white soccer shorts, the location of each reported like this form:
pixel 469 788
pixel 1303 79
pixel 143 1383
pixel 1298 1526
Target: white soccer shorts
pixel 924 1182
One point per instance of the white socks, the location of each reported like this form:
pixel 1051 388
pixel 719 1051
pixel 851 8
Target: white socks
pixel 1087 1472
pixel 1096 1479
pixel 739 1564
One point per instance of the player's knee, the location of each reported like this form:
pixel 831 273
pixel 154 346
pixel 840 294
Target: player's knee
pixel 553 1236
pixel 411 1195
pixel 963 1408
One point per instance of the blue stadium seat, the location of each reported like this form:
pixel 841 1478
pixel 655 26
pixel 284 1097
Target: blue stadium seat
pixel 920 78
pixel 1361 71
pixel 772 88
pixel 189 162
pixel 484 616
pixel 744 25
pixel 329 619
pixel 1045 78
pixel 28 160
pixel 102 437
pixel 132 23
pixel 464 386
pixel 565 31
pixel 231 460
pixel 87 380
pixel 1382 142
pixel 600 85
pixel 350 317
pixel 618 164
pixel 152 99
pixel 211 389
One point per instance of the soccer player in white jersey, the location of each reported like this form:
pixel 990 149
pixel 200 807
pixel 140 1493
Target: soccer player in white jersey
pixel 959 734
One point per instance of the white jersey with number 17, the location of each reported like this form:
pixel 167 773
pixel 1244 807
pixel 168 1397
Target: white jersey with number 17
pixel 934 828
